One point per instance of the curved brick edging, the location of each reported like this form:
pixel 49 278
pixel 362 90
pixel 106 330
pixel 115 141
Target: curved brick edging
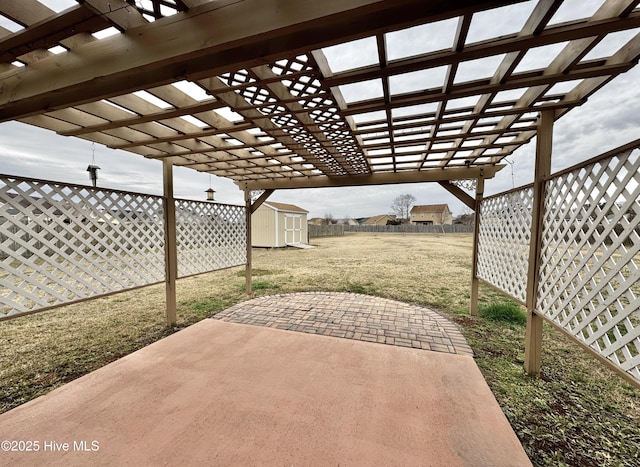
pixel 352 316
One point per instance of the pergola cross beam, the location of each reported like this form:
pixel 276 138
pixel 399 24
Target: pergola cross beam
pixel 181 45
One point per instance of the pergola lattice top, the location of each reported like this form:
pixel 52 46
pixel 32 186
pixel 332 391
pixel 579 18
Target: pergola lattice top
pixel 243 89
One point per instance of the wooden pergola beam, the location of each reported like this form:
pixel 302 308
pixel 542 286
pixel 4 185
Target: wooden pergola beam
pixel 157 116
pixel 565 63
pixel 449 138
pixel 247 32
pixel 504 45
pixel 260 120
pixel 535 24
pixel 462 195
pixel 119 13
pixel 261 199
pixel 282 93
pixel 25 11
pixel 479 87
pixel 420 121
pixel 49 32
pixel 384 178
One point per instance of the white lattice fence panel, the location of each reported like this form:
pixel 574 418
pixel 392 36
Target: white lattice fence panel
pixel 62 243
pixel 503 241
pixel 589 278
pixel 210 236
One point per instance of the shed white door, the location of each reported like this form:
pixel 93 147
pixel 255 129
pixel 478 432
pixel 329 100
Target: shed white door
pixel 292 228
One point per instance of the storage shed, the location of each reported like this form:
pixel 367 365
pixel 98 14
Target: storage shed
pixel 278 225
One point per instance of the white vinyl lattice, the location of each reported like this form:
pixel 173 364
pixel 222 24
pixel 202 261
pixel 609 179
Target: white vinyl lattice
pixel 63 243
pixel 210 236
pixel 255 194
pixel 589 277
pixel 503 241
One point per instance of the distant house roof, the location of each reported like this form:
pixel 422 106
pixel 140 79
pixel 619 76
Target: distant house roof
pixel 377 219
pixel 285 207
pixel 348 221
pixel 430 208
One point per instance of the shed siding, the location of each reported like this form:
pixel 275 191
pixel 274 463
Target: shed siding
pixel 268 227
pixel 305 229
pixel 281 224
pixel 263 228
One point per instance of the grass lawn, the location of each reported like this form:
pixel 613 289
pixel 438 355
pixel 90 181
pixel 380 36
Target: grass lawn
pixel 578 413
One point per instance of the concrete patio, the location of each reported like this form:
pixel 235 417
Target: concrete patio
pixel 225 393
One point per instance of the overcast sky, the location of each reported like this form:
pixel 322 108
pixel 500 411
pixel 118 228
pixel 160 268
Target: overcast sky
pixel 609 119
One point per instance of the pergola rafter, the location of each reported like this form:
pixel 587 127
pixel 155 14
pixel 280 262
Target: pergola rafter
pixel 289 116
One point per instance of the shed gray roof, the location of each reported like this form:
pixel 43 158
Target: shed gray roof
pixel 285 207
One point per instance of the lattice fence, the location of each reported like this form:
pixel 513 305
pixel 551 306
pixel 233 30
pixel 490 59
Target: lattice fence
pixel 210 236
pixel 503 241
pixel 62 243
pixel 589 278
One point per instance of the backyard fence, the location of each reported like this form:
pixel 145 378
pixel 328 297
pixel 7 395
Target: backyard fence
pixel 410 228
pixel 588 277
pixel 325 230
pixel 64 243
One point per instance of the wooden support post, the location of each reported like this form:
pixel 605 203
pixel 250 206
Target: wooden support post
pixel 533 333
pixel 250 208
pixel 459 193
pixel 475 285
pixel 248 271
pixel 170 242
pixel 261 199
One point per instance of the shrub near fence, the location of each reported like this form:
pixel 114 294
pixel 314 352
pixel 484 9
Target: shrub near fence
pixel 410 228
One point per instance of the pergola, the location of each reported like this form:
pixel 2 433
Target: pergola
pixel 242 89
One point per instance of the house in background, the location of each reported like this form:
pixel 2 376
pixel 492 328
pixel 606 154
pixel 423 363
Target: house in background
pixel 465 219
pixel 348 221
pixel 431 214
pixel 276 225
pixel 380 220
pixel 317 221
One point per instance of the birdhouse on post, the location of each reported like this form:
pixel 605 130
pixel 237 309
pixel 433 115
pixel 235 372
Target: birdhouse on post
pixel 210 194
pixel 93 173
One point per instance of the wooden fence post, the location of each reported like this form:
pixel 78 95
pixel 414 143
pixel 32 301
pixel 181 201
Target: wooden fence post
pixel 475 285
pixel 248 268
pixel 533 333
pixel 170 242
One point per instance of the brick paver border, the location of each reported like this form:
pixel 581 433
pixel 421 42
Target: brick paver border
pixel 352 316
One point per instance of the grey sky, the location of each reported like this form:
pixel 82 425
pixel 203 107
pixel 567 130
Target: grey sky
pixel 607 120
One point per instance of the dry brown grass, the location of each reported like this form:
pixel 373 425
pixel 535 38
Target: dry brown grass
pixel 427 269
pixel 578 413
